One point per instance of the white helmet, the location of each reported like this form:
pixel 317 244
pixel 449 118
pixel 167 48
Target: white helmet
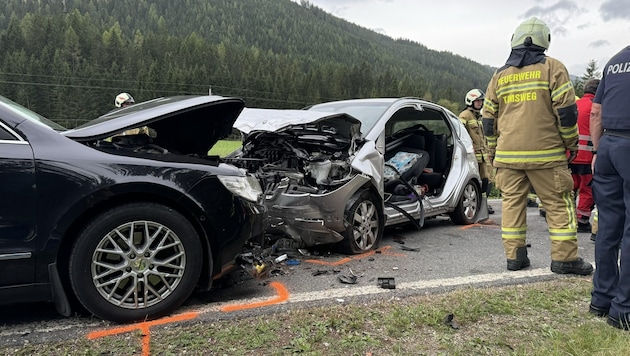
pixel 473 95
pixel 123 98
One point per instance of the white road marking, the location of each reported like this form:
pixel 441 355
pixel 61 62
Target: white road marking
pixel 337 294
pixel 45 330
pixel 340 293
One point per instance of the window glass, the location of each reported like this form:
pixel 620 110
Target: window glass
pixel 5 135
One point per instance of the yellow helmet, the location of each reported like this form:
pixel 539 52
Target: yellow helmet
pixel 531 31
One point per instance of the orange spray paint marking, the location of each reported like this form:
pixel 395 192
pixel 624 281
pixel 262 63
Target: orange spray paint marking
pixel 144 327
pixel 283 295
pixel 383 250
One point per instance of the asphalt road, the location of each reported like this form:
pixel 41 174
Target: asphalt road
pixel 438 258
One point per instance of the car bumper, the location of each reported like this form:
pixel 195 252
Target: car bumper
pixel 313 219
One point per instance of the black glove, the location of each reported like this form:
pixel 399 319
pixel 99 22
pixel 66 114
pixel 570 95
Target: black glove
pixel 572 155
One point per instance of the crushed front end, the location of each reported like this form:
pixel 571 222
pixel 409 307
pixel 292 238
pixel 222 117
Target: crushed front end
pixel 306 172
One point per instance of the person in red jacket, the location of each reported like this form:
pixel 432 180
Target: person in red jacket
pixel 581 166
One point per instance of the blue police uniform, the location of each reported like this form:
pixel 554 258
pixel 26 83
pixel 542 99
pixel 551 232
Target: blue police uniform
pixel 611 189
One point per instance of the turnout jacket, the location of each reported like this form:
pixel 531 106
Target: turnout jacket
pixel 472 121
pixel 529 114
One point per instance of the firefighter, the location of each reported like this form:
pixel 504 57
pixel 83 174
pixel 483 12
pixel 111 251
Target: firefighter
pixel 123 99
pixel 471 118
pixel 530 122
pixel 581 166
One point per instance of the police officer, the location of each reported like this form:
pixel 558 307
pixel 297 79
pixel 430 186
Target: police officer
pixel 610 133
pixel 471 118
pixel 529 118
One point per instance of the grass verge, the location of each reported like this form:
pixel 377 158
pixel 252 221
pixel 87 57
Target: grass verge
pixel 546 318
pixel 223 147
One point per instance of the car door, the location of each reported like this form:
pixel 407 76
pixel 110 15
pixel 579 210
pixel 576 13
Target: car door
pixel 17 209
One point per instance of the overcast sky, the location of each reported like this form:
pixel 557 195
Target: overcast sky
pixel 481 30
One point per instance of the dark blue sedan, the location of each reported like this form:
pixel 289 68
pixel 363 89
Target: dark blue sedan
pixel 124 225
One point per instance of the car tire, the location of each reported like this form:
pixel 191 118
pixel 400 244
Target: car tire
pixel 364 223
pixel 468 206
pixel 150 275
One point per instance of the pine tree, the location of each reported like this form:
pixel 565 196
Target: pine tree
pixel 591 72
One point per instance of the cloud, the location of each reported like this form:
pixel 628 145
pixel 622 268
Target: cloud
pixel 599 43
pixel 615 9
pixel 555 15
pixel 560 31
pixel 584 26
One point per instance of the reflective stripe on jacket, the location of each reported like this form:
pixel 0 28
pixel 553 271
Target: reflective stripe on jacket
pixel 530 115
pixel 472 121
pixel 585 146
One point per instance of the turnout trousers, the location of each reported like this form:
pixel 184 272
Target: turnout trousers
pixel 554 187
pixel 611 188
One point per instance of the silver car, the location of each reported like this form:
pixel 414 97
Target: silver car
pixel 339 172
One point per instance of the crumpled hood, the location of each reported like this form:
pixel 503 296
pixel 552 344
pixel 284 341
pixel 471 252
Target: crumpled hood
pixel 189 124
pixel 274 120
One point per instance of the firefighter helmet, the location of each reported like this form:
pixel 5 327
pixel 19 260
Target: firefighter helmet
pixel 473 95
pixel 532 31
pixel 123 98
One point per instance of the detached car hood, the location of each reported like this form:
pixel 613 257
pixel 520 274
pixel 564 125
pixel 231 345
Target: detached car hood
pixel 184 124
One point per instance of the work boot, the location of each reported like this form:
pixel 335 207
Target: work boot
pixel 521 261
pixel 622 322
pixel 598 311
pixel 593 237
pixel 577 266
pixel 490 209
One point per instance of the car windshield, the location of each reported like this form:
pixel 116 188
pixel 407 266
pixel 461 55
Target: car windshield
pixel 30 115
pixel 366 112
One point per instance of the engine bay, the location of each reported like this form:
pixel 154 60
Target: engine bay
pixel 311 159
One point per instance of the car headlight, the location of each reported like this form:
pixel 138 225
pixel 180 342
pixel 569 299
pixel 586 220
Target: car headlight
pixel 246 187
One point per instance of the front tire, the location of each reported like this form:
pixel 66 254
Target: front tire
pixel 468 206
pixel 364 223
pixel 135 262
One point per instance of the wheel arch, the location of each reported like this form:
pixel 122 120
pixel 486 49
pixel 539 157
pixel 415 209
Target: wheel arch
pixel 477 183
pixel 346 245
pixel 368 186
pixel 83 212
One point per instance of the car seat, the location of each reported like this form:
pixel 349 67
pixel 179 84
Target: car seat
pixel 404 167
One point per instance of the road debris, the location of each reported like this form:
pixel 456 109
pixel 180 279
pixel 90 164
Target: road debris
pixel 448 320
pixel 386 282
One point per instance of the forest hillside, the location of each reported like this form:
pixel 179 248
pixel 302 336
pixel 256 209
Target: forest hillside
pixel 67 59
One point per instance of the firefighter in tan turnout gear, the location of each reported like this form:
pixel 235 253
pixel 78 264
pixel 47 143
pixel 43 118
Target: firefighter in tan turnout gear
pixel 529 119
pixel 471 118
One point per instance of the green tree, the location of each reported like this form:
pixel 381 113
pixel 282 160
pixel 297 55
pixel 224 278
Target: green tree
pixel 591 71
